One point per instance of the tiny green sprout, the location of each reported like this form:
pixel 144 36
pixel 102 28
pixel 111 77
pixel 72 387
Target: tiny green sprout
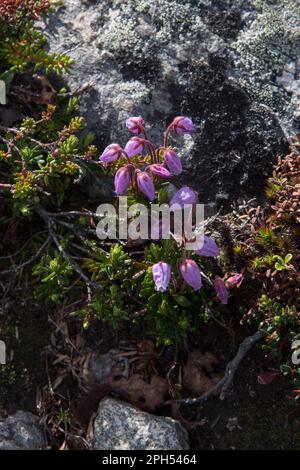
pixel 73 104
pixel 283 263
pixel 238 249
pixel 76 124
pixel 69 146
pixel 28 125
pixel 63 416
pixel 266 237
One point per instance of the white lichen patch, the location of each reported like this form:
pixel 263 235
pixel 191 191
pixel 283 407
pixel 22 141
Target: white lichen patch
pixel 262 51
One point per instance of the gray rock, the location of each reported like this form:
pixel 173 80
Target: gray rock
pixel 233 67
pixel 21 431
pixel 120 426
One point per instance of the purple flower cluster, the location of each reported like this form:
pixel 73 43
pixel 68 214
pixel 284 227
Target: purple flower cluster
pixel 165 162
pixel 188 268
pixel 191 273
pixel 141 174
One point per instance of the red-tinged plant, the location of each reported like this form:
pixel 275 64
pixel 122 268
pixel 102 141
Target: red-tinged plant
pixel 15 10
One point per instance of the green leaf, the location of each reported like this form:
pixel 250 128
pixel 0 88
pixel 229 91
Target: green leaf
pixel 183 301
pixel 288 258
pixel 279 266
pixel 285 369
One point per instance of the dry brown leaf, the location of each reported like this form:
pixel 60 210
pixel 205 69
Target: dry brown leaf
pixel 146 396
pixel 146 346
pixel 48 93
pixel 199 374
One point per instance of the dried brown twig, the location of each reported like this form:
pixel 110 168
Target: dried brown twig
pixel 27 262
pixel 51 228
pixel 224 386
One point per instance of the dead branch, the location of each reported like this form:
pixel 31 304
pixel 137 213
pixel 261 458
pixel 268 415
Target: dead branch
pixel 224 386
pixel 10 145
pixel 233 365
pixel 85 88
pixel 29 261
pixel 51 224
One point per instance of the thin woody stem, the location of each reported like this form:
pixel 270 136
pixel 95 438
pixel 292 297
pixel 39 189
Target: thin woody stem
pixel 166 136
pixel 150 146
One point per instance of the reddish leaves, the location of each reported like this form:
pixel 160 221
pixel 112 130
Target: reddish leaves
pixel 12 10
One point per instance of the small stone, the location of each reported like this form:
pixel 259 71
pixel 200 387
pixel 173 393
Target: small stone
pixel 121 426
pixel 21 431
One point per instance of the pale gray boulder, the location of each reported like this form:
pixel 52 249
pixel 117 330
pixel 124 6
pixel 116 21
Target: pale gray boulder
pixel 121 426
pixel 233 67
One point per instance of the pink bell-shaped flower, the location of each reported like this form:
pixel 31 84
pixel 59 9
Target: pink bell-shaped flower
pixel 234 281
pixel 161 273
pixel 183 125
pixel 184 196
pixel 135 124
pixel 173 162
pixel 146 185
pixel 123 179
pixel 159 170
pixel 190 272
pixel 221 289
pixel 134 146
pixel 111 153
pixel 209 248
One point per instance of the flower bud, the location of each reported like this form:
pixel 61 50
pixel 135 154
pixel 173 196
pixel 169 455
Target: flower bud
pixel 209 248
pixel 190 272
pixel 184 196
pixel 111 153
pixel 122 179
pixel 146 185
pixel 161 273
pixel 135 124
pixel 173 162
pixel 134 146
pixel 221 290
pixel 183 125
pixel 234 281
pixel 159 170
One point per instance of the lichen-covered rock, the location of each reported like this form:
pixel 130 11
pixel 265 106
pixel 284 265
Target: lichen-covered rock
pixel 120 426
pixel 21 431
pixel 233 67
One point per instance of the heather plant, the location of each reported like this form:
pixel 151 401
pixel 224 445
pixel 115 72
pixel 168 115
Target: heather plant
pixel 160 282
pixel 22 45
pixel 172 289
pixel 39 155
pixel 37 170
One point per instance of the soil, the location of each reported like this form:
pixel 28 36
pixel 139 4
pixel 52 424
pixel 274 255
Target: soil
pixel 253 417
pixel 26 333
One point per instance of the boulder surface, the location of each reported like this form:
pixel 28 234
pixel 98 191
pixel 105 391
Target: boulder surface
pixel 233 67
pixel 120 426
pixel 21 431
